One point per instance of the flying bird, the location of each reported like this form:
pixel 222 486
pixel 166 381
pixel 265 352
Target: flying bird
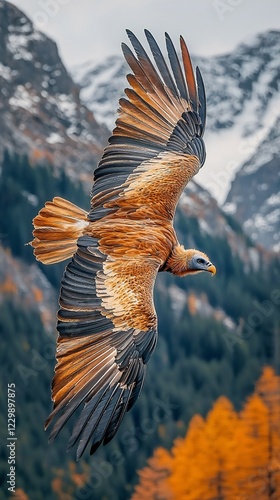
pixel 107 323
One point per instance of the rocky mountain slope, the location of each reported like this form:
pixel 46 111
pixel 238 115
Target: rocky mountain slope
pixel 28 287
pixel 41 113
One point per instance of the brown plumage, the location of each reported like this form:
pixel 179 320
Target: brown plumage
pixel 107 323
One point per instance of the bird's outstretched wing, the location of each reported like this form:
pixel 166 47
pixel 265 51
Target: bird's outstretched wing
pixel 107 331
pixel 157 141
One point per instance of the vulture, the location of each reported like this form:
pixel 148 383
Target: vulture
pixel 107 323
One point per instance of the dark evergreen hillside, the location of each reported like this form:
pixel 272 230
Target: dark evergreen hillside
pixel 24 189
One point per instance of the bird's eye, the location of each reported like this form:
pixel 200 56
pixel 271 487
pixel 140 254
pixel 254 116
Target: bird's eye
pixel 200 261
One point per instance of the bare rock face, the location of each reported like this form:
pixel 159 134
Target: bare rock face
pixel 41 113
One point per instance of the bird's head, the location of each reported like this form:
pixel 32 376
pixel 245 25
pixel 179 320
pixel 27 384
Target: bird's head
pixel 184 262
pixel 197 262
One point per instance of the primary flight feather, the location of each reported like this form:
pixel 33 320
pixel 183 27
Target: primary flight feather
pixel 107 322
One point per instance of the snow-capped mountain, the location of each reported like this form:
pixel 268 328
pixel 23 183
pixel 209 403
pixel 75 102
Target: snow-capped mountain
pixel 102 85
pixel 243 106
pixel 40 109
pixel 254 197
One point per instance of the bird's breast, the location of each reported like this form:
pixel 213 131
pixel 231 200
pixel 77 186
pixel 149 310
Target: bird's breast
pixel 132 238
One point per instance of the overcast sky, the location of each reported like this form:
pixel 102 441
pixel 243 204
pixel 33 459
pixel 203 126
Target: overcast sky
pixel 92 29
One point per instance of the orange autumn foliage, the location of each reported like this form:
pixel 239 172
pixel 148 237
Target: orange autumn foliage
pixel 252 451
pixel 8 286
pixel 38 294
pixel 192 304
pixel 41 155
pixel 20 495
pixel 153 483
pixel 226 456
pixel 186 453
pixel 77 477
pixel 67 480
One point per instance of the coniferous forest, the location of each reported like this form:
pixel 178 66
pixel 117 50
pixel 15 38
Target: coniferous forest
pixel 227 449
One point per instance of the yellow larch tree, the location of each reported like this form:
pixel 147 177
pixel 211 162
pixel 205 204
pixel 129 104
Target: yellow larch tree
pixel 153 484
pixel 187 453
pixel 268 388
pixel 251 453
pixel 220 444
pixel 202 462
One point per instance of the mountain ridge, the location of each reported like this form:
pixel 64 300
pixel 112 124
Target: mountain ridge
pixel 40 107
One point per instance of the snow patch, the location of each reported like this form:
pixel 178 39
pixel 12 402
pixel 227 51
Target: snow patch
pixel 274 199
pixel 204 226
pixel 230 208
pixel 7 73
pixel 17 46
pixel 19 38
pixel 263 222
pixel 96 89
pixel 22 99
pixel 178 300
pixel 66 105
pixel 254 256
pixel 55 138
pixel 32 198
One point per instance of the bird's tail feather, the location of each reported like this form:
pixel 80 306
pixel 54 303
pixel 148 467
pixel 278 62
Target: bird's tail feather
pixel 57 228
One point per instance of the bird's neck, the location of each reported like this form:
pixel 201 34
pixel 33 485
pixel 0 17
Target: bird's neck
pixel 178 261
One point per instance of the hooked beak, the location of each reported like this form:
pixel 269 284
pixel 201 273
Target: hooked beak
pixel 211 269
